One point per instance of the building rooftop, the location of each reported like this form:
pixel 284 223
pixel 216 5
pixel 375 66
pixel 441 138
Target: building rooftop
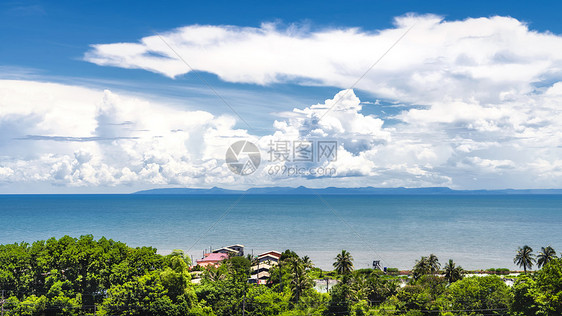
pixel 213 257
pixel 271 253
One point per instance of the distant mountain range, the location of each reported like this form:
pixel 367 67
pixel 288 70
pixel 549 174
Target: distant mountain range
pixel 347 191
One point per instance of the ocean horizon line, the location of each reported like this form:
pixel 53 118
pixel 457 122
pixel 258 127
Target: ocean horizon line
pixel 369 190
pixel 302 190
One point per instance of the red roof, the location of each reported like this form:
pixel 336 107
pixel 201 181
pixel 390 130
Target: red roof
pixel 272 253
pixel 214 257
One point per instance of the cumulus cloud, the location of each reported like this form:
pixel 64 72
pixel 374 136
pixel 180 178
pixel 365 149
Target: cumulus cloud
pixel 88 137
pixel 487 59
pixel 126 140
pixel 479 107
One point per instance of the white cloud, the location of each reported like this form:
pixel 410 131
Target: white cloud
pixel 490 91
pixel 83 137
pixel 128 141
pixel 478 58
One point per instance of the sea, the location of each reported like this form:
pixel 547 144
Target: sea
pixel 476 231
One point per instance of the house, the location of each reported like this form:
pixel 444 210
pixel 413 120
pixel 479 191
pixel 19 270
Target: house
pixel 264 262
pixel 212 259
pixel 196 276
pixel 235 250
pixel 270 256
pixel 259 278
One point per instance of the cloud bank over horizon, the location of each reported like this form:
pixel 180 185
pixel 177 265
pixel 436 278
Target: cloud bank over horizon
pixel 478 106
pixel 78 137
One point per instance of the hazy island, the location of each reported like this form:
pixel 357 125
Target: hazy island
pixel 348 191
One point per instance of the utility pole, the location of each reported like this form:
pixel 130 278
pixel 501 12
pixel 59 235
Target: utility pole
pixel 280 276
pixel 244 301
pixel 2 302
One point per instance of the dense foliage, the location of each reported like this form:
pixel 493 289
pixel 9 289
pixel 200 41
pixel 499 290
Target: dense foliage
pixel 84 276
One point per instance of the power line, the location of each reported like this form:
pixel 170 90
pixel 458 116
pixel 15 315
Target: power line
pixel 218 220
pixel 367 71
pixel 203 80
pixel 348 225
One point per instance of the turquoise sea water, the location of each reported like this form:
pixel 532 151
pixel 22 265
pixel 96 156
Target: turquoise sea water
pixel 475 231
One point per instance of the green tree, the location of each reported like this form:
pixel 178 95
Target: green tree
pixel 433 263
pixel 426 265
pixel 307 262
pixel 540 294
pixel 453 272
pixel 15 269
pixel 421 267
pixel 379 289
pixel 412 299
pixel 179 255
pixel 288 254
pixel 549 287
pixel 143 296
pixel 32 305
pixel 357 286
pixel 54 273
pixel 524 293
pixel 524 258
pixel 475 295
pixel 344 263
pixel 545 256
pixel 213 274
pixel 227 293
pixel 340 303
pixel 264 301
pixel 300 281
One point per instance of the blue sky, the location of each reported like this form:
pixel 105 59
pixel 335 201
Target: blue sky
pixel 406 123
pixel 51 37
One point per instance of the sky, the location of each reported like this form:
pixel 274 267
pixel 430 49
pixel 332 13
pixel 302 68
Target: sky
pixel 120 96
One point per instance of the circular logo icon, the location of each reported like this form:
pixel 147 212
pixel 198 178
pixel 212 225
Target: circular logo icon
pixel 243 157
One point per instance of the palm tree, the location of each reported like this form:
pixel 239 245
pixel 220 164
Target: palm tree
pixel 433 264
pixel 545 256
pixel 300 280
pixel 524 258
pixel 344 263
pixel 420 268
pixel 452 272
pixel 306 262
pixel 358 287
pixel 214 274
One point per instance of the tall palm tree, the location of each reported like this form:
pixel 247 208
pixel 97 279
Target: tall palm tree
pixel 545 256
pixel 300 280
pixel 420 268
pixel 524 258
pixel 426 265
pixel 453 272
pixel 344 263
pixel 433 263
pixel 306 262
